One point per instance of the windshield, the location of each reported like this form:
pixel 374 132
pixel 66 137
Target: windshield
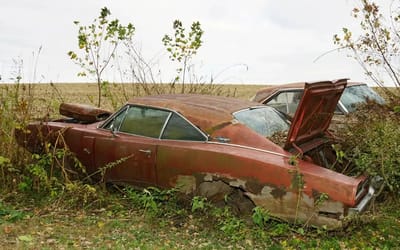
pixel 264 120
pixel 354 95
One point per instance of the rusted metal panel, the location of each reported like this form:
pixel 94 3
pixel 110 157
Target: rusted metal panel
pixel 298 207
pixel 82 112
pixel 290 205
pixel 128 159
pixel 257 168
pixel 252 139
pixel 315 112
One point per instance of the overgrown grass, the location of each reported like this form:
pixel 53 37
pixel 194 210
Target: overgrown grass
pixel 16 103
pixel 156 219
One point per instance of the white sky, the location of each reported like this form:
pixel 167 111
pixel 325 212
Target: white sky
pixel 258 41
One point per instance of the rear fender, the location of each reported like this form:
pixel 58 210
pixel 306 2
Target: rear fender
pixel 285 204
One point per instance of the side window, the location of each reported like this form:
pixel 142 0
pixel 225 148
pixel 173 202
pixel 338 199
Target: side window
pixel 286 102
pixel 116 121
pixel 293 100
pixel 144 121
pixel 179 129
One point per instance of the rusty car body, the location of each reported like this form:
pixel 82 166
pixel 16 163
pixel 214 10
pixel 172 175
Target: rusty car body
pixel 218 146
pixel 286 97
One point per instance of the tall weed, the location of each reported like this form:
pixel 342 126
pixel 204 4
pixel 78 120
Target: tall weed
pixel 19 170
pixel 15 111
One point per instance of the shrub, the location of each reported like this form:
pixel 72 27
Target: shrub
pixel 20 170
pixel 371 141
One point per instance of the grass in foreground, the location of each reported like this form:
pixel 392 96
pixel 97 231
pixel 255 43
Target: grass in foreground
pixel 133 220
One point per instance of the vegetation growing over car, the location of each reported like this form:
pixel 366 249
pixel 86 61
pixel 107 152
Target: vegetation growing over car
pixel 370 143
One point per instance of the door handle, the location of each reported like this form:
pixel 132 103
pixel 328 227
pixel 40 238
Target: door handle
pixel 146 151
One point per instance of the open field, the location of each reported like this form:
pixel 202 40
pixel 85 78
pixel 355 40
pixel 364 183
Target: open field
pixel 47 97
pixel 83 216
pixel 85 92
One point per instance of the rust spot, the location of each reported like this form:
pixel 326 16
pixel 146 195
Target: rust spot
pixel 315 194
pixel 218 127
pixel 254 186
pixel 301 210
pixel 186 183
pixel 85 113
pixel 278 193
pixel 297 207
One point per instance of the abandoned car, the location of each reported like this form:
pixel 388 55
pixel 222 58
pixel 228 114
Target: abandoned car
pixel 286 97
pixel 215 147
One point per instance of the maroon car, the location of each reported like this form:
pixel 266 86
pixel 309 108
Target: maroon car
pixel 216 147
pixel 286 97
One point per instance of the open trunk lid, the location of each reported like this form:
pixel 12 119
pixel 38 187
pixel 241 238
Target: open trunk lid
pixel 314 114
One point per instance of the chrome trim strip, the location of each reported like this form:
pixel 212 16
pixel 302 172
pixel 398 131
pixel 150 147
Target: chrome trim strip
pixel 248 147
pixel 342 107
pixel 128 106
pixel 165 125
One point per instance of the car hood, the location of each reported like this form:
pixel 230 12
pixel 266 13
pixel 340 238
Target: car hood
pixel 314 114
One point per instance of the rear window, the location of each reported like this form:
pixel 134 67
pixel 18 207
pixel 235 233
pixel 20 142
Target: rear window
pixel 263 120
pixel 286 102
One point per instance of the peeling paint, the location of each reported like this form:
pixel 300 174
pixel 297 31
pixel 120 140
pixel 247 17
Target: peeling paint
pixel 238 183
pixel 291 208
pixel 280 202
pixel 208 177
pixel 278 193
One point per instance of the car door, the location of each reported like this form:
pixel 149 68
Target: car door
pixel 180 151
pixel 128 154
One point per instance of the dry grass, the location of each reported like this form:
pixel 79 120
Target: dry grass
pixel 86 91
pixel 47 97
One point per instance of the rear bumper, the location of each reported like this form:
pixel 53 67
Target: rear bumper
pixel 364 202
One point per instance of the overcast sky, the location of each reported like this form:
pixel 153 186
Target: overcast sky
pixel 258 41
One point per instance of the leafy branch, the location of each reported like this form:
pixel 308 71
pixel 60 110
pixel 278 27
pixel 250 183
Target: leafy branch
pixel 182 47
pixel 377 48
pixel 98 43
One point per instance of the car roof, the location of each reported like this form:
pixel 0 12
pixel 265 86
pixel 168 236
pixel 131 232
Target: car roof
pixel 205 111
pixel 266 92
